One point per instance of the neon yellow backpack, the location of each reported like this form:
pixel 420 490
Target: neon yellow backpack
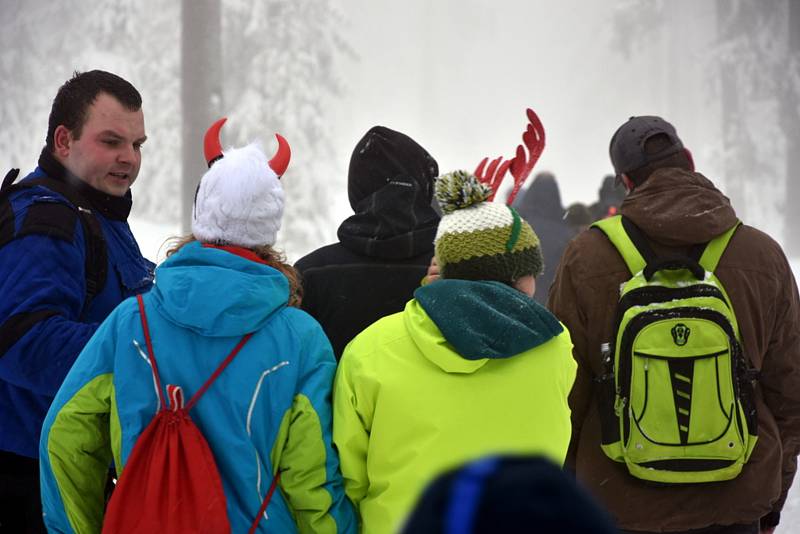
pixel 676 397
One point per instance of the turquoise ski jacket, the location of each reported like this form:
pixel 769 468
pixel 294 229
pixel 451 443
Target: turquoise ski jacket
pixel 268 411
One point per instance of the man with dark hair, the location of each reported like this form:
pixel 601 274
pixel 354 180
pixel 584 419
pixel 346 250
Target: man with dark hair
pixel 67 258
pixel 385 248
pixel 677 212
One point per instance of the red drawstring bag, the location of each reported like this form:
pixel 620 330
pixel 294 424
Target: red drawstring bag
pixel 171 483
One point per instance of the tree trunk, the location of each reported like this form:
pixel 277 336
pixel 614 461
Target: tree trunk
pixel 732 120
pixel 790 121
pixel 201 91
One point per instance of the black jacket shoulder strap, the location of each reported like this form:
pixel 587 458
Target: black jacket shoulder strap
pixel 9 179
pixel 96 253
pixel 639 240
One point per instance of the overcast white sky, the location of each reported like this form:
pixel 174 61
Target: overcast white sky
pixel 457 76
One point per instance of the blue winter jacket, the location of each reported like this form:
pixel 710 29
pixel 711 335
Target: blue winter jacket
pixel 269 410
pixel 43 321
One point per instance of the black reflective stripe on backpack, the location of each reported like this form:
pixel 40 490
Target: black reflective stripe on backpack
pixel 96 260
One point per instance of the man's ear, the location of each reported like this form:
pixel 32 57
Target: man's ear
pixel 690 158
pixel 62 141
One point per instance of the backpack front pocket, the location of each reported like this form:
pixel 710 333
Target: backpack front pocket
pixel 682 402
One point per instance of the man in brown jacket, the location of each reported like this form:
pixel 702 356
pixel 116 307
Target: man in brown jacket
pixel 678 208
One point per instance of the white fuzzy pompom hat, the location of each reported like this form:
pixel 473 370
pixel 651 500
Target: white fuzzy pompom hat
pixel 240 199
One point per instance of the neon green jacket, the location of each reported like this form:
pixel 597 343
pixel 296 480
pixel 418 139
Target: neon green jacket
pixel 467 369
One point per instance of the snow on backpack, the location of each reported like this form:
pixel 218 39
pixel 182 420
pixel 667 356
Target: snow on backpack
pixel 676 396
pixel 170 483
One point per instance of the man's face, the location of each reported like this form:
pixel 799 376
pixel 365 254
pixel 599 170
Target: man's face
pixel 108 154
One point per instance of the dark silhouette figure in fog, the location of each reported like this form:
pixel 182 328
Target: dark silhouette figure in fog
pixel 578 217
pixel 611 195
pixel 541 207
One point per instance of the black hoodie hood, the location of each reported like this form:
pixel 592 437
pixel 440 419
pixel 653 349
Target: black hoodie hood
pixel 390 187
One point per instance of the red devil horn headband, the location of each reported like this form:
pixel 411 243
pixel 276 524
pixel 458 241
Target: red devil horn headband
pixel 211 145
pixel 213 149
pixel 280 160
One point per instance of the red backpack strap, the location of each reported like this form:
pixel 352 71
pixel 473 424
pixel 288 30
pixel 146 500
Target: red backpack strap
pixel 219 370
pixel 154 365
pixel 150 352
pixel 267 498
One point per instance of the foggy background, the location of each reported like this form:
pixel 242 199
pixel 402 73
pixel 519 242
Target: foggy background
pixel 456 75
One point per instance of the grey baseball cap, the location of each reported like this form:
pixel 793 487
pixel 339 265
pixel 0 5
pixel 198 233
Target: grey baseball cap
pixel 627 145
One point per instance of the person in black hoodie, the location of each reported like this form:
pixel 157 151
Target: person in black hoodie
pixel 541 207
pixel 385 248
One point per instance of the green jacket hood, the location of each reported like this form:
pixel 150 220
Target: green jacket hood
pixel 476 321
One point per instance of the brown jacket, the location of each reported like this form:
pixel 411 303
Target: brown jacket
pixel 677 209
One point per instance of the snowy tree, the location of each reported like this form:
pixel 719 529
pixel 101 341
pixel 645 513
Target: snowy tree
pixel 201 91
pixel 790 122
pixel 280 60
pixel 137 40
pixel 27 87
pixel 41 46
pixel 278 63
pixel 746 75
pixel 749 65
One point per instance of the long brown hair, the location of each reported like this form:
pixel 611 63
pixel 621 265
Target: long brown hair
pixel 271 257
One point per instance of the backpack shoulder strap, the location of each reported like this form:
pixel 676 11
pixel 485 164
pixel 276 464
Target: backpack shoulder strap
pixel 716 247
pixel 150 353
pixel 618 230
pixel 148 340
pixel 96 261
pixel 265 502
pixel 222 366
pixel 11 175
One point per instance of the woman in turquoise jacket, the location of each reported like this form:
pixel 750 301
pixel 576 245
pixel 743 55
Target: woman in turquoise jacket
pixel 268 412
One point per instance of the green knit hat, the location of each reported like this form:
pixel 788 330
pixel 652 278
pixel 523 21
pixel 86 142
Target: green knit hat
pixel 481 240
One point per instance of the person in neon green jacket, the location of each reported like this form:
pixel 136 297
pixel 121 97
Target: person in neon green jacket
pixel 472 366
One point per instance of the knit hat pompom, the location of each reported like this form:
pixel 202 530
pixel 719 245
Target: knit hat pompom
pixel 481 240
pixel 460 189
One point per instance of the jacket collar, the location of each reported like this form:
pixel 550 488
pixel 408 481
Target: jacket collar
pixel 482 319
pixel 111 207
pixel 675 207
pixel 242 252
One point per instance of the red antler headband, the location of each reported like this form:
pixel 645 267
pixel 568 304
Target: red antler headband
pixel 213 149
pixel 521 165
